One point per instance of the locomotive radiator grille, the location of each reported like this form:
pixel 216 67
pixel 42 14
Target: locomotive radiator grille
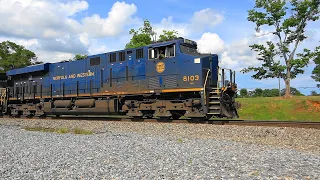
pixel 170 81
pixel 154 83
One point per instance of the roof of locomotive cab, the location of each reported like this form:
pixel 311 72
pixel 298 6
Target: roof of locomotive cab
pixel 28 69
pixel 155 44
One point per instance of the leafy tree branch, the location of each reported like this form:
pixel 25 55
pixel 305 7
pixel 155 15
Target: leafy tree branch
pixel 14 56
pixel 289 21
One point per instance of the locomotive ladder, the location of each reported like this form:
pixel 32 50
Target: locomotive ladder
pixel 214 102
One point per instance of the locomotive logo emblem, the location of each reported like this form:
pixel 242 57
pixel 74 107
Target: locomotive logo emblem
pixel 160 67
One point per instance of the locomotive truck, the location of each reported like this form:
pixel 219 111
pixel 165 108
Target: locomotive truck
pixel 165 80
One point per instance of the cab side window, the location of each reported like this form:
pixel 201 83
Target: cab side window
pixel 162 52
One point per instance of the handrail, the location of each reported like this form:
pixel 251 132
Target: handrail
pixel 219 78
pixel 204 87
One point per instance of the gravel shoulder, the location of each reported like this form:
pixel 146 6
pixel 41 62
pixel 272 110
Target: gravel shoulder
pixel 304 140
pixel 131 155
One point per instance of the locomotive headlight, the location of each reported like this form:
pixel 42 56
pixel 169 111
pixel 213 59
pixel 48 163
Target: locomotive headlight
pixel 197 60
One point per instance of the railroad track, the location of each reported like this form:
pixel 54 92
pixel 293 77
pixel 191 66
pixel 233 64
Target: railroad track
pixel 313 125
pixel 295 124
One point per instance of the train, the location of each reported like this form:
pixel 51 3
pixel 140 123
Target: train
pixel 164 80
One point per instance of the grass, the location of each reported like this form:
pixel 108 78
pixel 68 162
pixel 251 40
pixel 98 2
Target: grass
pixel 254 173
pixel 180 140
pixel 60 130
pixel 306 108
pixel 82 131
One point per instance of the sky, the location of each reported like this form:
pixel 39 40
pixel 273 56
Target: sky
pixel 56 30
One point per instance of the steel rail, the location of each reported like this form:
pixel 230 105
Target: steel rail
pixel 293 124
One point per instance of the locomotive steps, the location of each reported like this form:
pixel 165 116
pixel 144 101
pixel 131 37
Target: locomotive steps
pixel 214 102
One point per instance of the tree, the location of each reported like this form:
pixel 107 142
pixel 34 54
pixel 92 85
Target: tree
pixel 316 70
pixel 270 93
pixel 314 93
pixel 141 37
pixel 15 56
pixel 280 59
pixel 243 93
pixel 79 57
pixel 257 92
pixel 145 36
pixel 168 35
pixel 293 91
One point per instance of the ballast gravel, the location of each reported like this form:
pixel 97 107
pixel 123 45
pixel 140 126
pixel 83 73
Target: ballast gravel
pixel 123 150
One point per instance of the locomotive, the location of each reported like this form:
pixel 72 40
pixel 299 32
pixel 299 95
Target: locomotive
pixel 165 80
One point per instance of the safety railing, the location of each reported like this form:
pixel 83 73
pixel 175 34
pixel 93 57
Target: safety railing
pixel 223 81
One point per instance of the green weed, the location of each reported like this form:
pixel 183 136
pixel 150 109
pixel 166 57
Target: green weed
pixel 82 131
pixel 180 140
pixel 59 130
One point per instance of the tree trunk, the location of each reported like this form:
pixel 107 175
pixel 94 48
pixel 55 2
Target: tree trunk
pixel 287 80
pixel 287 93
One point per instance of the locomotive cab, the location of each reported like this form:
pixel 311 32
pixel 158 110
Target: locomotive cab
pixel 219 89
pixel 177 66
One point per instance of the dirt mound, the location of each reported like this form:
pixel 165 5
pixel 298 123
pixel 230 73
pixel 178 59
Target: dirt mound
pixel 314 104
pixel 308 106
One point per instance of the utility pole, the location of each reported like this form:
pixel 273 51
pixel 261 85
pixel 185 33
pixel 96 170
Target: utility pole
pixel 279 82
pixel 279 87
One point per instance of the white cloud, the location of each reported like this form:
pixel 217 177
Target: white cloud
pixel 228 62
pixel 236 55
pixel 67 43
pixel 38 19
pixel 54 56
pixel 98 48
pixel 118 18
pixel 200 21
pixel 240 51
pixel 211 43
pixel 73 7
pixel 49 27
pixel 168 24
pixel 29 44
pixel 205 18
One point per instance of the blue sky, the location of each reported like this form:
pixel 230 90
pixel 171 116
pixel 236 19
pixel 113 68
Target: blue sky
pixel 57 29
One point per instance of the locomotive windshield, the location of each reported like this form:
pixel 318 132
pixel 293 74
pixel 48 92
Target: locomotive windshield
pixel 189 49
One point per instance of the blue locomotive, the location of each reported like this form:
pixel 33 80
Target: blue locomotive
pixel 164 80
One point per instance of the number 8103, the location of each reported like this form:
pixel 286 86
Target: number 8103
pixel 191 78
